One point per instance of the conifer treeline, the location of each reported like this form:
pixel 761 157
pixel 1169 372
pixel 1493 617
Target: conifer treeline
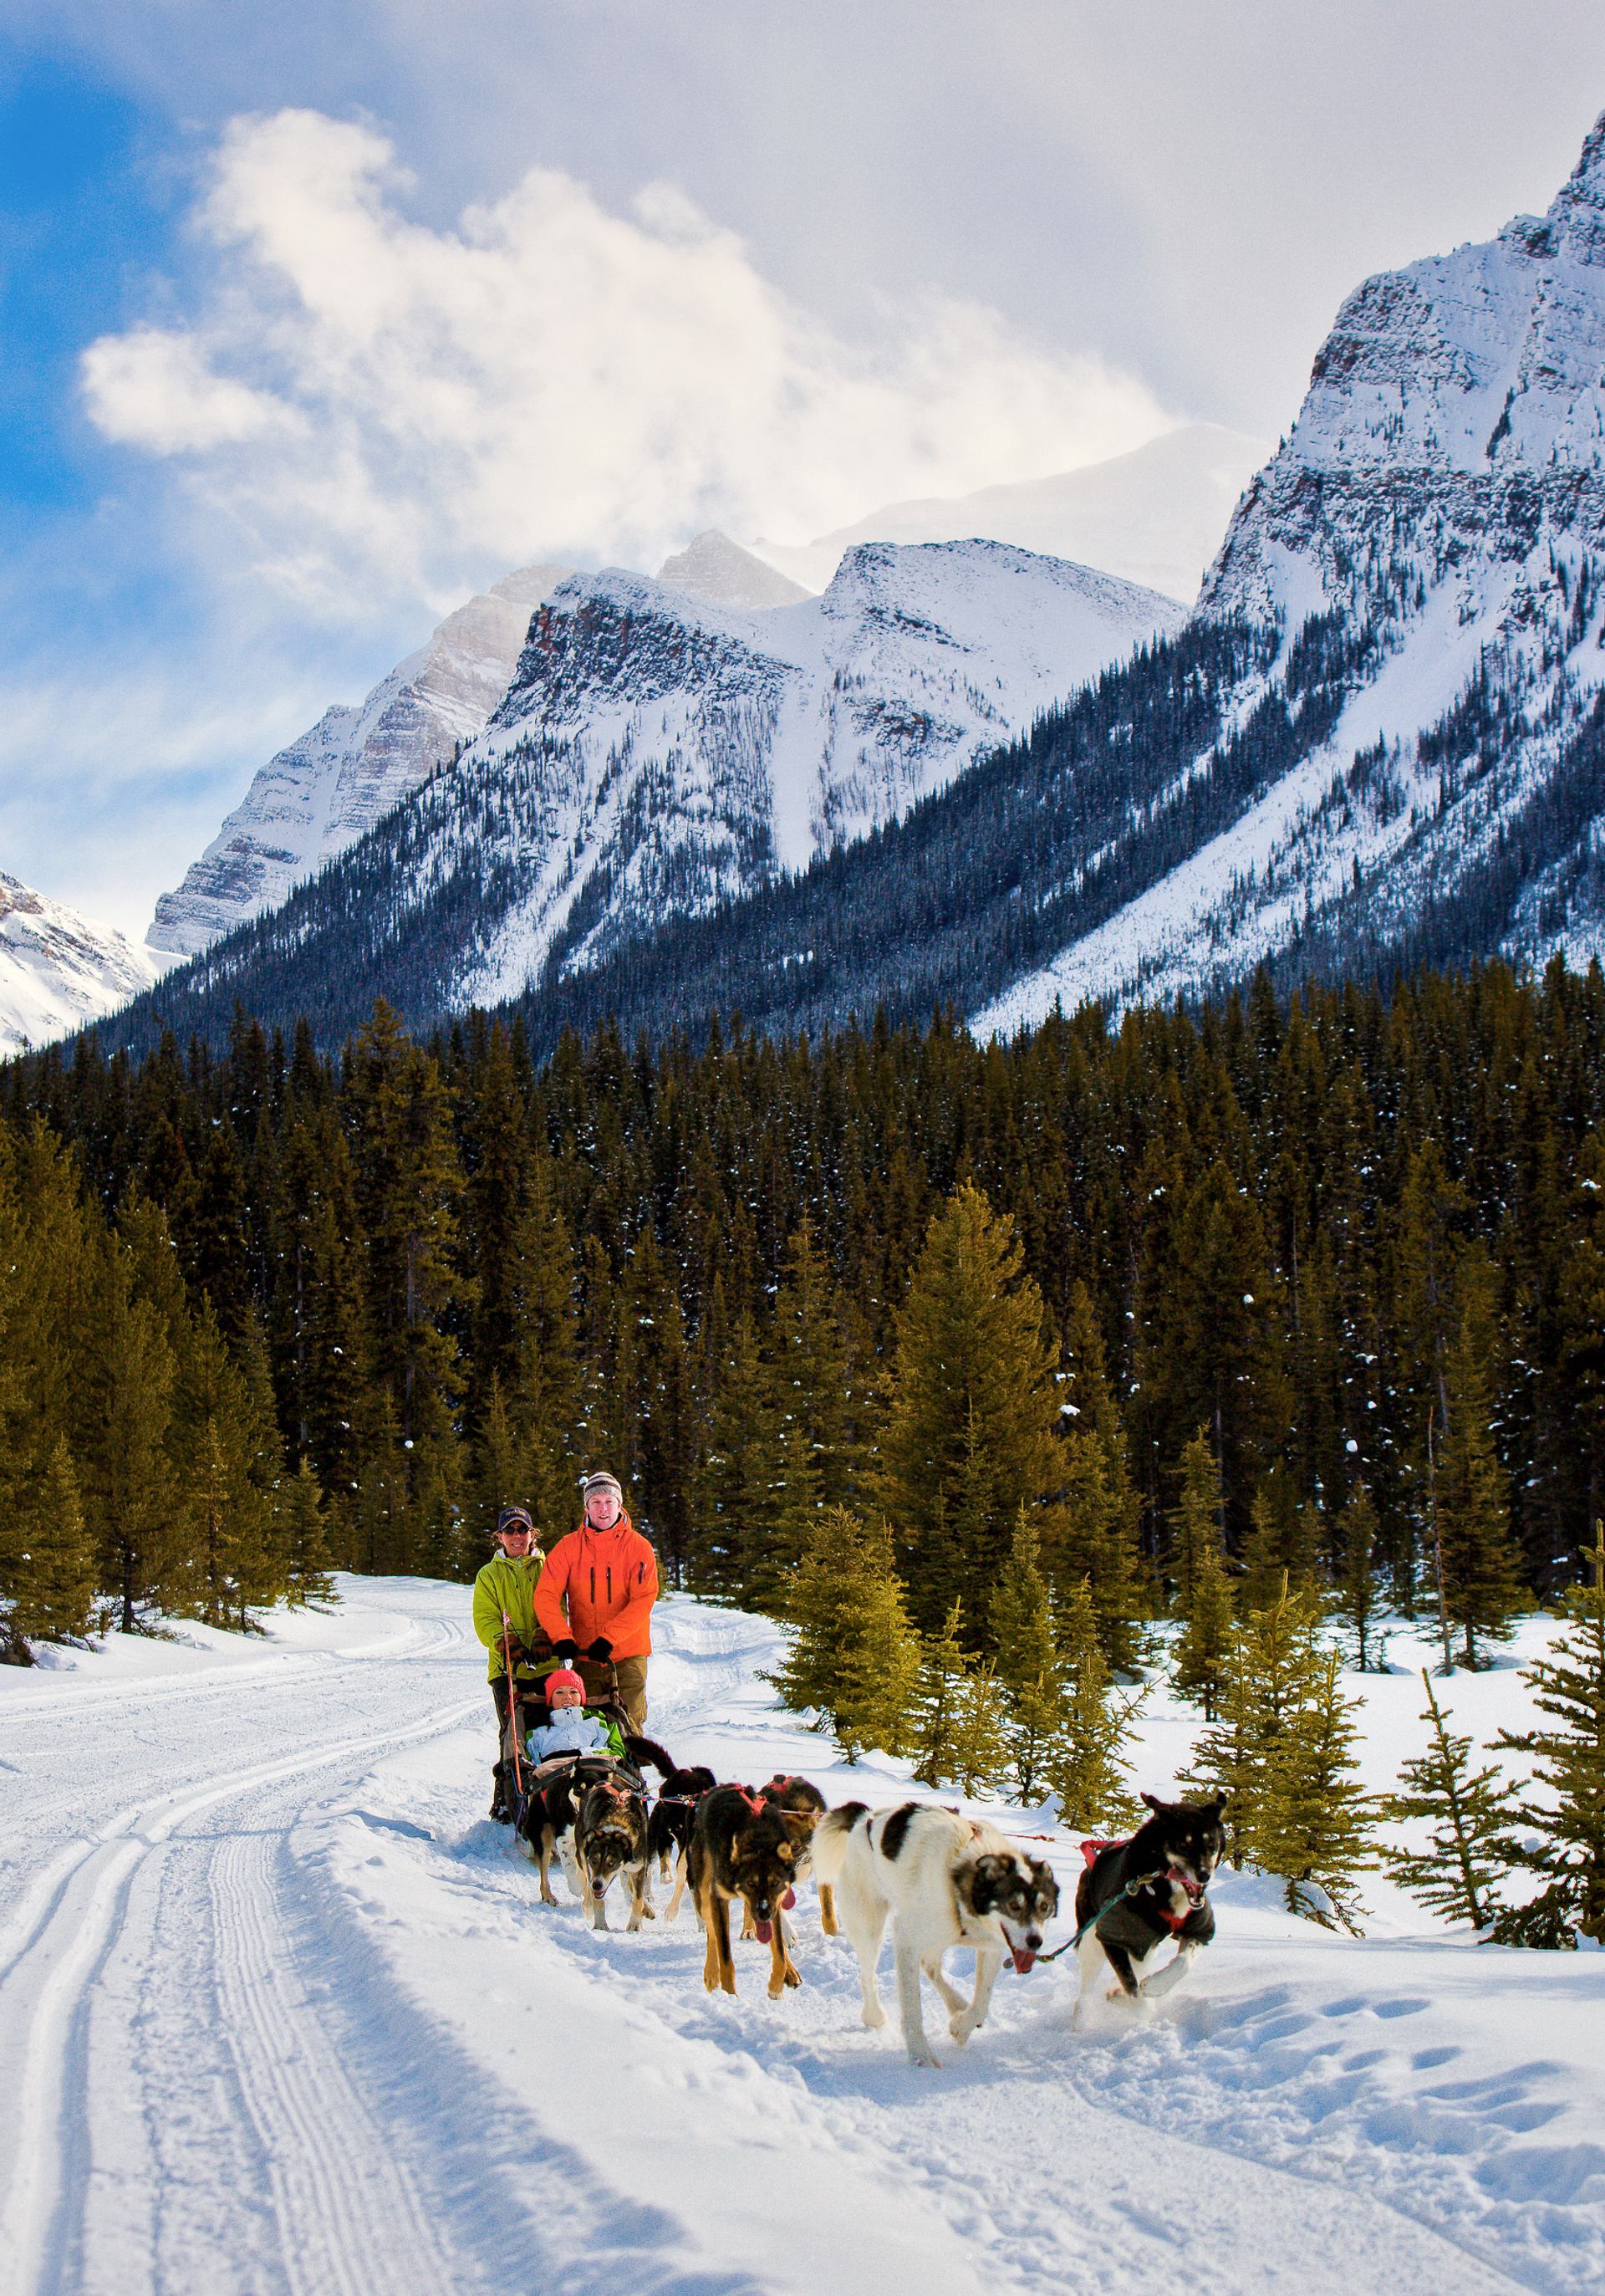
pixel 1352 1251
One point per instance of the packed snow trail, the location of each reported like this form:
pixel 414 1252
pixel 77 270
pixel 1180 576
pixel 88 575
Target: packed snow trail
pixel 280 2011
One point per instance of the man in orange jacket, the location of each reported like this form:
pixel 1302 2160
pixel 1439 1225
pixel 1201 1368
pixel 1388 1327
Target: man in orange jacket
pixel 595 1596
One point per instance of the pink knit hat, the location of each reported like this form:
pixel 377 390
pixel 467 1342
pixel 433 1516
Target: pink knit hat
pixel 562 1677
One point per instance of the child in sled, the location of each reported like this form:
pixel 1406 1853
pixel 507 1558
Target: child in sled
pixel 572 1730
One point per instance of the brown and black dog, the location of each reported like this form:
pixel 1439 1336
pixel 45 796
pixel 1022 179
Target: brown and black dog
pixel 803 1801
pixel 610 1838
pixel 744 1847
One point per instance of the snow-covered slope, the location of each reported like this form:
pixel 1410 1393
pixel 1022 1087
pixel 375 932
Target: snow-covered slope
pixel 1442 499
pixel 328 788
pixel 714 566
pixel 1155 516
pixel 656 752
pixel 57 970
pixel 280 2009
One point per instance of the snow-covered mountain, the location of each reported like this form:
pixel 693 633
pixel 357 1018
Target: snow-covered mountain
pixel 57 970
pixel 656 752
pixel 714 566
pixel 1440 503
pixel 1155 516
pixel 323 792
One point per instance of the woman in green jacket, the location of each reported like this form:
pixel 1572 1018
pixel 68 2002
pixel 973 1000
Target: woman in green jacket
pixel 505 1589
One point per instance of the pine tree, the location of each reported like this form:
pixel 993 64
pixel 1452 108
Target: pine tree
pixel 303 1537
pixel 1195 1522
pixel 126 1408
pixel 978 1757
pixel 1270 1677
pixel 943 1670
pixel 1204 1647
pixel 1097 1538
pixel 1357 1590
pixel 1313 1826
pixel 877 1674
pixel 1027 1662
pixel 51 1565
pixel 1084 1764
pixel 1482 1588
pixel 1459 1871
pixel 844 1556
pixel 972 1412
pixel 1567 1815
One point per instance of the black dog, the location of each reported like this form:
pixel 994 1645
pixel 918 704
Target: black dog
pixel 744 1847
pixel 668 1828
pixel 1148 1889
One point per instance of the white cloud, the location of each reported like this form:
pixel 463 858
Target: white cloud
pixel 377 408
pixel 154 390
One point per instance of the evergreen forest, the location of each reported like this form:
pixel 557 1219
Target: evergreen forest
pixel 1310 1286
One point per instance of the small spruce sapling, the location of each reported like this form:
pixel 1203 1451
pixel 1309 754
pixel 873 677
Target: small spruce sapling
pixel 1459 1871
pixel 943 1672
pixel 1083 1764
pixel 1568 1853
pixel 1313 1825
pixel 979 1756
pixel 1204 1648
pixel 1028 1662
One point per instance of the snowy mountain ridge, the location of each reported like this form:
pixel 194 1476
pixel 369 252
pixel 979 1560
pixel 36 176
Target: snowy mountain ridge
pixel 673 751
pixel 330 786
pixel 1441 498
pixel 58 970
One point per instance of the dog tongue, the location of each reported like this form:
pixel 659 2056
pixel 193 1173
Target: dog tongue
pixel 1022 1959
pixel 765 1932
pixel 790 1899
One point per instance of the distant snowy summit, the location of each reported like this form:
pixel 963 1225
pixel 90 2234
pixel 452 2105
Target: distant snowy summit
pixel 714 566
pixel 330 787
pixel 57 970
pixel 1435 523
pixel 657 752
pixel 1154 516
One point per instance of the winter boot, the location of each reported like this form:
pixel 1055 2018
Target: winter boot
pixel 501 1803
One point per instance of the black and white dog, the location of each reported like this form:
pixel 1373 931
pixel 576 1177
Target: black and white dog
pixel 946 1880
pixel 1147 1889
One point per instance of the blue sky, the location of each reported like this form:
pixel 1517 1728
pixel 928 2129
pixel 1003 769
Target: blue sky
pixel 314 320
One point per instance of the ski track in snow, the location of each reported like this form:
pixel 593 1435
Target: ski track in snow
pixel 282 2011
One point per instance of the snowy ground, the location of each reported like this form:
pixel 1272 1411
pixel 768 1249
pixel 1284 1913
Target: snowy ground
pixel 280 2011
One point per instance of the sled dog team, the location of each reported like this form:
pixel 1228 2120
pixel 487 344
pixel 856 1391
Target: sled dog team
pixel 572 1786
pixel 941 1879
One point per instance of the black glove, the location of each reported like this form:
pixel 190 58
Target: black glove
pixel 567 1650
pixel 600 1650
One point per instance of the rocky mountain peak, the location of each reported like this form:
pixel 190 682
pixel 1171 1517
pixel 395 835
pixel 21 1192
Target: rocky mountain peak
pixel 714 566
pixel 58 969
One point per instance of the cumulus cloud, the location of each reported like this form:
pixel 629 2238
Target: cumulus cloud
pixel 363 402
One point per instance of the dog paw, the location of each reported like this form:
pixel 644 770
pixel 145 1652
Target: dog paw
pixel 925 2058
pixel 962 2026
pixel 874 2019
